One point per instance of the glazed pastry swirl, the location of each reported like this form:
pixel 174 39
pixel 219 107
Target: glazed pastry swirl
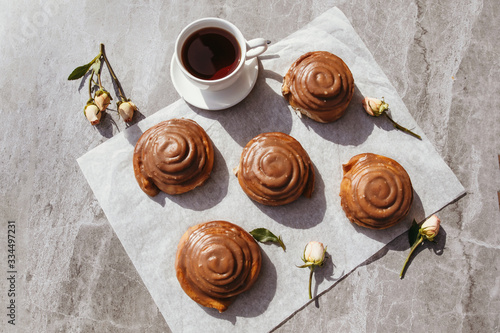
pixel 173 156
pixel 320 85
pixel 275 170
pixel 215 262
pixel 376 192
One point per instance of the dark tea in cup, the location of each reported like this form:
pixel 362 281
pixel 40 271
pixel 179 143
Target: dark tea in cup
pixel 211 53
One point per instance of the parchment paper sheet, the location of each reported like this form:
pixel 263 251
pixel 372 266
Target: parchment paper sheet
pixel 150 228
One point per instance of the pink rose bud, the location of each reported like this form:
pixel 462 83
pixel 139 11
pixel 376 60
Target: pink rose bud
pixel 92 113
pixel 374 107
pixel 102 99
pixel 314 253
pixel 126 110
pixel 430 227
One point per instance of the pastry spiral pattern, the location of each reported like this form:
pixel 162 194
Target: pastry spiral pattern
pixel 376 191
pixel 174 156
pixel 215 262
pixel 275 169
pixel 320 85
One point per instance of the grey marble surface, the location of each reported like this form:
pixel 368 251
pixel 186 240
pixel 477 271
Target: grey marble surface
pixel 74 275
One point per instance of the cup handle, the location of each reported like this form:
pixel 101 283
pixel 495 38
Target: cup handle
pixel 256 47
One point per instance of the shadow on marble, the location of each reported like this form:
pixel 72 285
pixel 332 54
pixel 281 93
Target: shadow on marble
pixel 83 82
pixel 304 213
pixel 106 124
pixel 255 301
pixel 206 196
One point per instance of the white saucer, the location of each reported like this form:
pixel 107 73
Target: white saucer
pixel 215 100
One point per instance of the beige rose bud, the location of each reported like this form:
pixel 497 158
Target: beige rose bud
pixel 102 99
pixel 430 227
pixel 314 256
pixel 126 110
pixel 314 253
pixel 374 107
pixel 92 113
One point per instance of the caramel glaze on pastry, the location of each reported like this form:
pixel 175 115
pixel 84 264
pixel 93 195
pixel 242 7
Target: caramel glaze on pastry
pixel 320 85
pixel 275 170
pixel 215 262
pixel 173 156
pixel 376 191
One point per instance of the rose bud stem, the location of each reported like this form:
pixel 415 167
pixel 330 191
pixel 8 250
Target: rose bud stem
pixel 99 82
pixel 314 255
pixel 90 84
pixel 310 281
pixel 401 128
pixel 113 76
pixel 417 243
pixel 428 230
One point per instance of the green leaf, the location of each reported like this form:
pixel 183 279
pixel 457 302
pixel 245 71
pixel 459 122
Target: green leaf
pixel 80 71
pixel 263 235
pixel 413 232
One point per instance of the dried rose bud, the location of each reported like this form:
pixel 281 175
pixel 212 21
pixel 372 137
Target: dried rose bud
pixel 92 112
pixel 126 110
pixel 430 227
pixel 314 253
pixel 374 107
pixel 102 99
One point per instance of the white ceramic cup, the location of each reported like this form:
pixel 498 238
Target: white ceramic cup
pixel 248 50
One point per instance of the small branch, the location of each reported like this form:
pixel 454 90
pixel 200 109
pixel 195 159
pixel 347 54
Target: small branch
pixel 90 84
pixel 99 76
pixel 417 243
pixel 113 76
pixel 310 281
pixel 401 128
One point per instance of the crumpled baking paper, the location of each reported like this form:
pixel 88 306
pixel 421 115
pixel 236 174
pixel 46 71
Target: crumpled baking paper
pixel 150 228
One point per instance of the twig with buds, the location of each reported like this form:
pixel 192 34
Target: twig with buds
pixel 102 98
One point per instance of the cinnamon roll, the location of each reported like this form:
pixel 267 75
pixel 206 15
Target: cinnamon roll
pixel 320 85
pixel 275 170
pixel 174 156
pixel 376 191
pixel 215 262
